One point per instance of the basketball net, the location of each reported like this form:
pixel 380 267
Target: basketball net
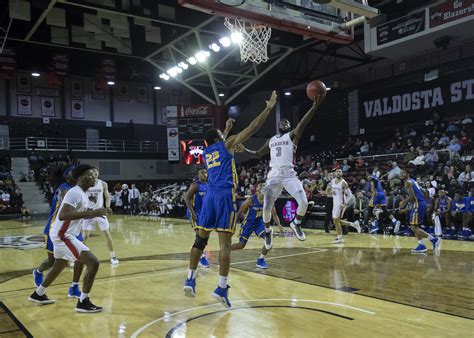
pixel 253 45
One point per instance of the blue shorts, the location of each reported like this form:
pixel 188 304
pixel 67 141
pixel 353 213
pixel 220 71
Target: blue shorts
pixel 417 215
pixel 257 227
pixel 50 246
pixel 379 199
pixel 218 210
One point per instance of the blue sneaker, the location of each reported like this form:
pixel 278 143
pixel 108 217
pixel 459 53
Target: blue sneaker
pixel 421 248
pixel 464 235
pixel 430 231
pixel 190 288
pixel 38 276
pixel 262 264
pixel 436 241
pixel 221 295
pixel 408 232
pixel 203 262
pixel 447 234
pixel 74 292
pixel 374 228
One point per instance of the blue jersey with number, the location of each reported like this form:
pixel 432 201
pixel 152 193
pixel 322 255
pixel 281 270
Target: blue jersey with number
pixel 220 166
pixel 255 211
pixel 443 203
pixel 419 196
pixel 378 186
pixel 198 198
pixel 55 206
pixel 460 204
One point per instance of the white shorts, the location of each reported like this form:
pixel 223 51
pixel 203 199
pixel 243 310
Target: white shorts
pixel 89 224
pixel 279 178
pixel 69 248
pixel 338 211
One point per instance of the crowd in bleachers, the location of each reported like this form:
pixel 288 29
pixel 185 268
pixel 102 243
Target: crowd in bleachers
pixel 11 201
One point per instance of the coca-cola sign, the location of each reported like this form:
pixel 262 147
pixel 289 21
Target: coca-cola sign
pixel 203 110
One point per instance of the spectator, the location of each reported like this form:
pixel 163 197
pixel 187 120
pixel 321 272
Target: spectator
pixel 411 155
pixel 393 174
pixel 467 120
pixel 345 167
pixel 418 161
pixel 454 147
pixel 361 212
pixel 359 162
pixel 431 159
pixel 466 177
pixel 444 140
pixel 365 148
pixel 465 141
pixel 452 128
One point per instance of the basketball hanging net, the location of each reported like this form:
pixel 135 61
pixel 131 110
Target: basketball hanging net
pixel 253 39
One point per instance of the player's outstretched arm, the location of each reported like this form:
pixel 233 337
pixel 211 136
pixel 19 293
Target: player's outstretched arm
pixel 245 134
pixel 228 127
pixel 298 131
pixel 264 150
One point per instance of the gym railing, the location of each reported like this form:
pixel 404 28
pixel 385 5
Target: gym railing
pixel 74 144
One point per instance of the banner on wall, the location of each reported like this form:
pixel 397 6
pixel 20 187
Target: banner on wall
pixel 171 113
pixel 450 10
pixel 77 109
pixel 7 64
pixel 109 69
pixel 416 101
pixel 123 92
pixel 47 107
pixel 60 64
pixel 401 27
pixel 23 82
pixel 24 105
pixel 201 110
pixel 98 89
pixel 142 94
pixel 77 87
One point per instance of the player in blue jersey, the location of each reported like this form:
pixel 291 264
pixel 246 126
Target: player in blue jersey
pixel 65 182
pixel 460 216
pixel 218 212
pixel 379 201
pixel 442 207
pixel 193 199
pixel 417 214
pixel 252 208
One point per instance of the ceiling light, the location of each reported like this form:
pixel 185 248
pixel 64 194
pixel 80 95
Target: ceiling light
pixel 172 72
pixel 178 70
pixel 35 74
pixel 165 77
pixel 225 41
pixel 215 47
pixel 207 53
pixel 328 88
pixel 221 94
pixel 110 83
pixel 183 65
pixel 200 56
pixel 287 93
pixel 192 60
pixel 236 37
pixel 157 88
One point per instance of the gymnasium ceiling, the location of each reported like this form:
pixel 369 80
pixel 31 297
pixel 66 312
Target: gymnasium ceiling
pixel 146 37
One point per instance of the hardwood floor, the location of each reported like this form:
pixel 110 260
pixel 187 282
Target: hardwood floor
pixel 370 287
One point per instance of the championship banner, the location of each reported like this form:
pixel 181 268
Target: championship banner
pixel 7 64
pixel 142 94
pixel 23 82
pixel 450 10
pixel 401 27
pixel 98 89
pixel 77 109
pixel 60 64
pixel 77 87
pixel 123 92
pixel 47 107
pixel 201 110
pixel 173 144
pixel 24 105
pixel 416 101
pixel 109 69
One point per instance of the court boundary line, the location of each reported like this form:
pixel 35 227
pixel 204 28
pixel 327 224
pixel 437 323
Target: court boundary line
pixel 20 326
pixel 167 316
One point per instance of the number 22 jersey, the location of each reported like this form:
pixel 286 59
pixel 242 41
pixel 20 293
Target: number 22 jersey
pixel 220 166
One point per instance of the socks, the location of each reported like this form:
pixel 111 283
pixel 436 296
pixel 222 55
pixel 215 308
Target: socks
pixel 74 284
pixel 297 221
pixel 223 282
pixel 41 290
pixel 421 242
pixel 339 236
pixel 262 256
pixel 203 255
pixel 112 254
pixel 268 229
pixel 83 296
pixel 191 274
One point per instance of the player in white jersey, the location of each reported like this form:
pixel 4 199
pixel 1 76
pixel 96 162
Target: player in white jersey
pixel 282 150
pixel 98 198
pixel 341 195
pixel 66 227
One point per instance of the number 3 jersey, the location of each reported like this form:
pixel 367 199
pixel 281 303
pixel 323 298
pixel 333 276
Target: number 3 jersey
pixel 220 166
pixel 282 151
pixel 95 195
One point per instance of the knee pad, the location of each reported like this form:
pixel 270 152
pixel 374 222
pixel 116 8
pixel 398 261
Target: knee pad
pixel 200 242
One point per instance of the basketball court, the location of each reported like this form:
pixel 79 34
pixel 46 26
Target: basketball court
pixel 366 288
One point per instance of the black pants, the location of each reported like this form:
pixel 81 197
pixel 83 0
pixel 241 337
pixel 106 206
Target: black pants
pixel 134 206
pixel 328 218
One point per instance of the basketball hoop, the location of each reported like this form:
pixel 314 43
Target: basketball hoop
pixel 253 39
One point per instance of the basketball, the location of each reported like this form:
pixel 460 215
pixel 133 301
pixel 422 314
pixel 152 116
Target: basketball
pixel 315 89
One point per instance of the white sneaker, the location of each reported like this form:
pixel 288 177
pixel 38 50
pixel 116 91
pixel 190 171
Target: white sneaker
pixel 114 261
pixel 269 239
pixel 356 225
pixel 397 227
pixel 338 240
pixel 298 231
